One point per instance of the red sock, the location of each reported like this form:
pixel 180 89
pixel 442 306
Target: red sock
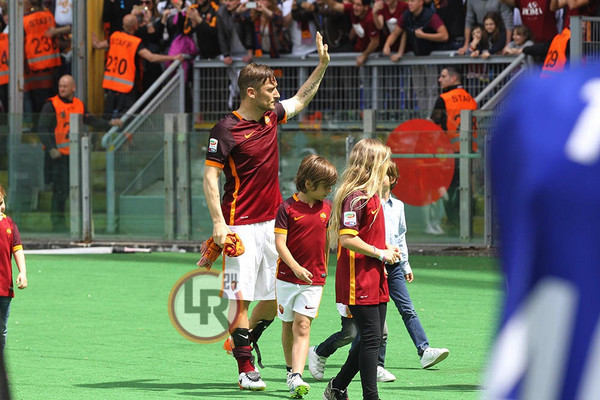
pixel 243 357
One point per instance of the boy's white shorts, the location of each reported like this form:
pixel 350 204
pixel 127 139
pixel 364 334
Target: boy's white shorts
pixel 302 299
pixel 251 276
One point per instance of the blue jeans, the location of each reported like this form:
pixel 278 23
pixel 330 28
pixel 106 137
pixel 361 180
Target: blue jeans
pixel 400 297
pixel 4 310
pixel 338 339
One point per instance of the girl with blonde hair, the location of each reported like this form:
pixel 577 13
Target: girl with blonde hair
pixel 357 224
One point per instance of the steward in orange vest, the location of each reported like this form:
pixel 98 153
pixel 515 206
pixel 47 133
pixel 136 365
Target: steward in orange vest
pixel 54 124
pixel 41 52
pixel 557 57
pixel 54 128
pixel 446 114
pixel 121 71
pixel 454 99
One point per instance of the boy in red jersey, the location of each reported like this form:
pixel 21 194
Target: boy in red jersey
pixel 10 243
pixel 243 145
pixel 301 241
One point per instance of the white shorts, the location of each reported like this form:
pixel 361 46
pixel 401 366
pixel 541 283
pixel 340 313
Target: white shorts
pixel 343 310
pixel 251 276
pixel 302 299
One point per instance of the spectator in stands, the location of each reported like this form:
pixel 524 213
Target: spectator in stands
pixel 424 29
pixel 478 41
pixel 151 31
pixel 557 58
pixel 114 11
pixel 452 14
pixel 236 41
pixel 575 7
pixel 521 38
pixel 476 11
pixel 335 27
pixel 203 21
pixel 541 21
pixel 170 9
pixel 446 114
pixel 368 36
pixel 496 34
pixel 423 26
pixel 41 55
pixel 176 5
pixel 53 128
pixel 386 14
pixel 4 75
pixel 302 26
pixel 269 32
pixel 4 67
pixel 121 71
pixel 63 15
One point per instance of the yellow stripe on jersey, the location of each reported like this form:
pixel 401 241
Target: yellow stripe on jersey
pixel 17 248
pixel 352 300
pixel 281 231
pixel 214 164
pixel 235 190
pixel 352 232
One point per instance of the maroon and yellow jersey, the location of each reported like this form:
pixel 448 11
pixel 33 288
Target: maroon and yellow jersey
pixel 247 153
pixel 306 230
pixel 10 241
pixel 360 279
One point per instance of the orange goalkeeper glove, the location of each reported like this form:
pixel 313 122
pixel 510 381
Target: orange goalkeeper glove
pixel 233 245
pixel 211 251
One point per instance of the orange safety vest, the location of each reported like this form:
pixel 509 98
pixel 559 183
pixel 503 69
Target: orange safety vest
pixel 41 52
pixel 3 59
pixel 63 119
pixel 556 59
pixel 457 100
pixel 119 72
pixel 34 80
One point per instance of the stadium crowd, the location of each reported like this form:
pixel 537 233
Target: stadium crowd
pixel 247 30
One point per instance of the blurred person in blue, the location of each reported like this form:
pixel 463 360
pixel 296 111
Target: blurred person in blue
pixel 545 159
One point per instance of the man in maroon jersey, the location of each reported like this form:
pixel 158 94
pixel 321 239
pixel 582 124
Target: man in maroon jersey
pixel 243 145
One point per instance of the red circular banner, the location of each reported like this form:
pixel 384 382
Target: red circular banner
pixel 424 180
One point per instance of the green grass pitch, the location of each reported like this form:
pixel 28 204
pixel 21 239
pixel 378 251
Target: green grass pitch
pixel 97 327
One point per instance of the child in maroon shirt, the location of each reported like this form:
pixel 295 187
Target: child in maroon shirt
pixel 10 243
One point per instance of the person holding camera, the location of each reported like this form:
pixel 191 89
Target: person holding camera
pixel 368 36
pixel 202 19
pixel 150 30
pixel 269 32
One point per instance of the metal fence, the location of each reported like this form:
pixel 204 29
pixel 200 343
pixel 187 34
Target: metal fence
pixel 397 91
pixel 585 40
pixel 134 161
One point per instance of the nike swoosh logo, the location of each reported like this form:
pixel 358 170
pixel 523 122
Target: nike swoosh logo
pixel 297 218
pixel 309 308
pixel 375 211
pixel 244 337
pixel 250 134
